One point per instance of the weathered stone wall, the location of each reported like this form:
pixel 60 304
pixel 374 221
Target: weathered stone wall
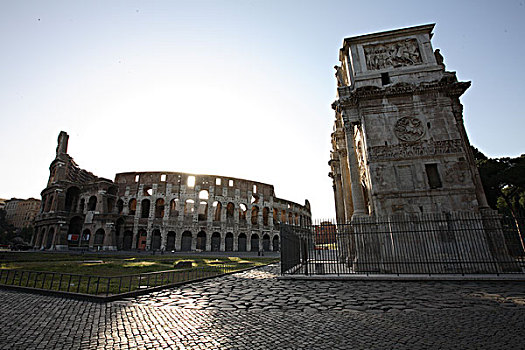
pixel 159 211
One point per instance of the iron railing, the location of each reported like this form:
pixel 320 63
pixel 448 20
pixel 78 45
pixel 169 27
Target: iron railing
pixel 109 285
pixel 448 243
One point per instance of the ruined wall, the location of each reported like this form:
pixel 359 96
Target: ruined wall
pixel 159 211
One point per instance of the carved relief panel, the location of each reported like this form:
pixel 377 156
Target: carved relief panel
pixel 395 54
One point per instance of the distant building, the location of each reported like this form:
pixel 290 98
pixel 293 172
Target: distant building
pixel 21 212
pixel 159 211
pixel 325 233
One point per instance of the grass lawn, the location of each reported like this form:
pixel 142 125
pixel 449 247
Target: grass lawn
pixel 116 265
pixel 103 274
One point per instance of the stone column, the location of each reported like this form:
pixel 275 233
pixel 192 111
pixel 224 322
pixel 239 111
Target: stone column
pixel 358 200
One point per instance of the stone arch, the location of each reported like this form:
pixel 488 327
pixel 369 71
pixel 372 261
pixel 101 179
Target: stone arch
pixel 120 206
pixel 290 218
pixel 202 210
pixel 81 206
pixel 189 207
pixel 275 243
pixel 118 231
pixel 50 238
pixel 72 197
pixel 143 236
pixel 132 206
pixel 186 240
pixel 84 240
pixel 127 240
pixel 144 208
pixel 201 241
pixel 266 243
pixel 155 240
pixel 74 230
pixel 255 215
pixel 170 241
pixel 228 242
pixel 39 239
pixel 92 203
pixel 275 217
pixel 159 208
pixel 241 242
pixel 266 212
pixel 230 209
pixel 242 212
pixel 218 208
pixel 99 238
pixel 254 242
pixel 49 203
pixel 283 216
pixel 215 242
pixel 174 211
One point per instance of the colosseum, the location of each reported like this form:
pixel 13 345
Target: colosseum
pixel 159 211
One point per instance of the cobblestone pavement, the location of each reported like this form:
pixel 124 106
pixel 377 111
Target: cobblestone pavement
pixel 254 310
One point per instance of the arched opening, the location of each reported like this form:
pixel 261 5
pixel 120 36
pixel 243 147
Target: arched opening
pixel 159 208
pixel 145 205
pixel 92 203
pixel 119 225
pixel 143 236
pixel 39 242
pixel 241 243
pixel 265 216
pixel 189 208
pixel 242 213
pixel 185 245
pixel 255 215
pixel 170 241
pixel 266 243
pixel 99 238
pixel 275 243
pixel 155 240
pixel 255 243
pixel 86 235
pixel 49 204
pixel 82 206
pixel 283 217
pixel 203 210
pixel 147 191
pixel 73 231
pixel 228 242
pixel 120 206
pixel 50 238
pixel 110 204
pixel 201 240
pixel 72 196
pixel 218 207
pixel 230 207
pixel 215 242
pixel 290 218
pixel 174 210
pixel 296 222
pixel 132 206
pixel 127 240
pixel 275 217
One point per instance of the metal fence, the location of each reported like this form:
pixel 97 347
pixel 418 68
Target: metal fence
pixel 448 243
pixel 108 285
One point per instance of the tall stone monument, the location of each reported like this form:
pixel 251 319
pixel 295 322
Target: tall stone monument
pixel 399 142
pixel 402 167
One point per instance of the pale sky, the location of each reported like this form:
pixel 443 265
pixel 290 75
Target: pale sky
pixel 233 88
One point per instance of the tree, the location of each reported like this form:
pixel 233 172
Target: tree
pixel 504 184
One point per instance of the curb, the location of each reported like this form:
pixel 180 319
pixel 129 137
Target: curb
pixel 114 297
